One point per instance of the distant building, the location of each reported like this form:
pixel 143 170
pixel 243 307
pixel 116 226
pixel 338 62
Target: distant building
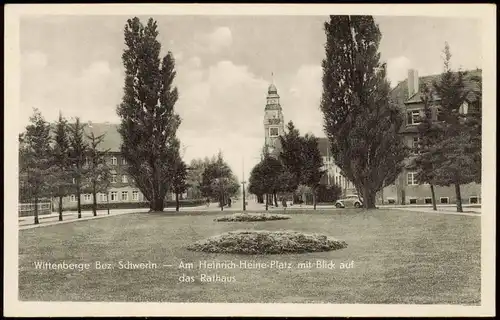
pixel 406 189
pixel 274 127
pixel 122 188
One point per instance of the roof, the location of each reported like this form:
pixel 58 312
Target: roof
pixel 112 139
pixel 272 88
pixel 400 93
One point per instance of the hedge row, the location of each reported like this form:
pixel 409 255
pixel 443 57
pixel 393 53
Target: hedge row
pixel 137 205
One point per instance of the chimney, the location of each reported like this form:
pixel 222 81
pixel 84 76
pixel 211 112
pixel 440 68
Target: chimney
pixel 413 85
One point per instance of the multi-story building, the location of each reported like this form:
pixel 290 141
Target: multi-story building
pixel 406 189
pixel 122 188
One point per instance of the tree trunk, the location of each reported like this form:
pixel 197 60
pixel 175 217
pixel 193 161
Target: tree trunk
pixel 368 198
pixel 158 204
pixel 314 198
pixel 433 195
pixel 275 200
pixel 176 201
pixel 267 202
pixel 60 208
pixel 459 198
pixel 36 211
pixel 78 202
pixel 107 200
pixel 94 201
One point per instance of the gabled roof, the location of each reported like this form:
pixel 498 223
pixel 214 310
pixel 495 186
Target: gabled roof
pixel 400 93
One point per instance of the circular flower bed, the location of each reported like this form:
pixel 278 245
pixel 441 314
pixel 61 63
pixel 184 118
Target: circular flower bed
pixel 267 242
pixel 238 217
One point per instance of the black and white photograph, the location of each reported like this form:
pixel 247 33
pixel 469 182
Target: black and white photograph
pixel 263 160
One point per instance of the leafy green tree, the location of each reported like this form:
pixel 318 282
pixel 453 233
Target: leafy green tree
pixel 61 160
pixel 35 161
pixel 291 154
pixel 312 165
pixel 429 133
pixel 194 176
pixel 148 121
pixel 359 120
pixel 458 145
pixel 219 182
pixel 78 157
pixel 98 170
pixel 179 181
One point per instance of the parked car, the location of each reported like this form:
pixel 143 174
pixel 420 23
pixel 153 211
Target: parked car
pixel 349 201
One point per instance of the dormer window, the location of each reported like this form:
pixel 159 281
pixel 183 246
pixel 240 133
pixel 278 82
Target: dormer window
pixel 114 161
pixel 413 117
pixel 464 108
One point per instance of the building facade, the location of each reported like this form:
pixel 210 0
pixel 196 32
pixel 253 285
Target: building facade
pixel 406 189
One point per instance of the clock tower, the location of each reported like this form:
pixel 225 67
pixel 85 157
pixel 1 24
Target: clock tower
pixel 274 125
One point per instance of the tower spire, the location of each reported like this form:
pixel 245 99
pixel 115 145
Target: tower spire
pixel 272 77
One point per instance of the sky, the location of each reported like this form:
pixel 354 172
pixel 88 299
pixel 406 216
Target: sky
pixel 224 64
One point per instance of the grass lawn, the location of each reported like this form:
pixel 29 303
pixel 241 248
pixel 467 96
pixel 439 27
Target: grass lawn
pixel 400 257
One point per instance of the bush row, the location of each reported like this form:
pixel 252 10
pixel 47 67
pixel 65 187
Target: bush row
pixel 238 217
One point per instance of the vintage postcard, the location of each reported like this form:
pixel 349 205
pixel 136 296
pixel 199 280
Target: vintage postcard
pixel 250 160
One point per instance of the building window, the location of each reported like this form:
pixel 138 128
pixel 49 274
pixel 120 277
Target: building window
pixel 135 195
pixel 72 198
pixel 124 161
pixel 415 145
pixel 440 115
pixel 411 178
pixel 464 108
pixel 114 195
pixel 473 200
pixel 114 161
pixel 87 197
pixel 413 117
pixel 124 179
pixel 74 181
pixel 428 200
pixel 413 201
pixel 443 200
pixel 103 197
pixel 113 178
pixel 274 132
pixel 124 195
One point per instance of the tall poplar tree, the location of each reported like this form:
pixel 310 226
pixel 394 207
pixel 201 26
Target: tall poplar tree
pixel 78 154
pixel 291 154
pixel 148 121
pixel 359 120
pixel 62 162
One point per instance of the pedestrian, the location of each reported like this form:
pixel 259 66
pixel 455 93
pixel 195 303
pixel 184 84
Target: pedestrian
pixel 208 202
pixel 283 203
pixel 229 202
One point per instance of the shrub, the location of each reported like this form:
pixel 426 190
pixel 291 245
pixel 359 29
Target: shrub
pixel 267 242
pixel 328 193
pixel 250 217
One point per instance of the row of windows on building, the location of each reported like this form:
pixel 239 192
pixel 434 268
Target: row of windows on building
pixel 113 196
pixel 114 179
pixel 414 117
pixel 114 161
pixel 428 200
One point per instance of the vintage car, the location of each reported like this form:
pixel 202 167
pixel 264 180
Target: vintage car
pixel 349 201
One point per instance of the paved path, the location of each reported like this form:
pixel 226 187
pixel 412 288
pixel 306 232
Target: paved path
pixel 237 206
